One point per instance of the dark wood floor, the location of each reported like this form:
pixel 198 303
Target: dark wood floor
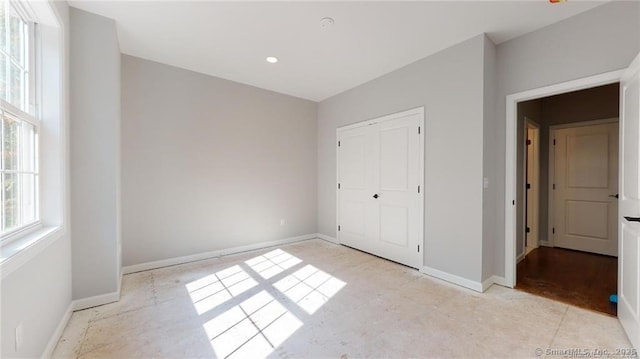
pixel 582 279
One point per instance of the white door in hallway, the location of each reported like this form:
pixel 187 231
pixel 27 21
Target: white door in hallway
pixel 586 183
pixel 380 190
pixel 629 209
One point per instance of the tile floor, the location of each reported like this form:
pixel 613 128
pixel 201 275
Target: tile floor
pixel 315 299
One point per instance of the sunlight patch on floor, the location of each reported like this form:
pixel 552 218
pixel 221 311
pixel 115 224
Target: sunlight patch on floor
pixel 272 263
pixel 309 287
pixel 253 327
pixel 216 289
pixel 257 325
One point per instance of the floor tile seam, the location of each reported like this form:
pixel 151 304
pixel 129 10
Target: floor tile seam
pixel 153 289
pixel 119 313
pixel 84 338
pixel 97 347
pixel 555 334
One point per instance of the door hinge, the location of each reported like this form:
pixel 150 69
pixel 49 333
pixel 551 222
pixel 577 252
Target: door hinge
pixel 418 129
pixel 553 230
pixel 528 230
pixel 338 185
pixel 554 186
pixel 513 202
pixel 338 143
pixel 418 188
pixel 528 142
pixel 338 228
pixel 554 141
pixel 418 248
pixel 528 185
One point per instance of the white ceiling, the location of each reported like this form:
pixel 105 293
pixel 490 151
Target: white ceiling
pixel 232 39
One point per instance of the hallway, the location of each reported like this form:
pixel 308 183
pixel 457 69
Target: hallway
pixel 582 279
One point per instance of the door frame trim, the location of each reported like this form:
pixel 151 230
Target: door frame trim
pixel 511 157
pixel 552 161
pixel 421 148
pixel 535 184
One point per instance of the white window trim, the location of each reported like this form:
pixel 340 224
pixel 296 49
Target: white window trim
pixel 25 247
pixel 52 113
pixel 27 15
pixel 10 108
pixel 33 92
pixel 21 231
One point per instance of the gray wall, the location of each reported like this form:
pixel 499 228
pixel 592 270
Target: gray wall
pixel 450 86
pixel 587 105
pixel 39 292
pixel 604 39
pixel 489 217
pixel 210 164
pixel 95 153
pixel 36 295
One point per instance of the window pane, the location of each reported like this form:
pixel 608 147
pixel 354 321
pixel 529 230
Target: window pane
pixel 16 86
pixel 10 205
pixel 16 36
pixel 27 198
pixel 3 77
pixel 10 143
pixel 19 177
pixel 27 148
pixel 3 27
pixel 19 147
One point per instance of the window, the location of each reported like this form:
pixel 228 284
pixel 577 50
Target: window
pixel 19 130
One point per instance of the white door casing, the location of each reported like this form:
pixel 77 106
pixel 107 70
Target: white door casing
pixel 380 186
pixel 532 185
pixel 629 204
pixel 584 182
pixel 511 175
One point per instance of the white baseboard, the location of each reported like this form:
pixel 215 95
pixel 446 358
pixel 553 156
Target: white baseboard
pixel 493 280
pixel 499 281
pixel 84 303
pixel 55 337
pixel 452 278
pixel 327 238
pixel 78 305
pixel 520 257
pixel 212 254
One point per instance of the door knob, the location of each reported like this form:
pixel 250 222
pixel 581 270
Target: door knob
pixel 376 196
pixel 614 195
pixel 632 219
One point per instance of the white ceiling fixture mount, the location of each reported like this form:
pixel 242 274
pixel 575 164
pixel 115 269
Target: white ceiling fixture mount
pixel 272 59
pixel 326 22
pixel 375 38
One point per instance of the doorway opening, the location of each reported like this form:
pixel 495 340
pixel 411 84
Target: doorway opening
pixel 566 233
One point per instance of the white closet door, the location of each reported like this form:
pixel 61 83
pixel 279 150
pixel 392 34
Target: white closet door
pixel 380 189
pixel 355 170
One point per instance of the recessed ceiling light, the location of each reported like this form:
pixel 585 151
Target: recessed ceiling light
pixel 272 59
